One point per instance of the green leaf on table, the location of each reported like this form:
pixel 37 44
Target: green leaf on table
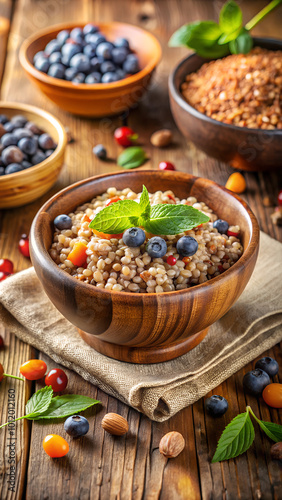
pixel 173 219
pixel 242 44
pixel 236 438
pixel 144 204
pixel 273 431
pixel 230 17
pixel 132 157
pixel 39 402
pixel 117 217
pixel 66 405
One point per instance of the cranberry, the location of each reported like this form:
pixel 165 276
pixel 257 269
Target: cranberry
pixel 24 245
pixel 57 379
pixel 125 136
pixel 6 266
pixel 166 165
pixel 171 260
pixel 280 197
pixel 231 233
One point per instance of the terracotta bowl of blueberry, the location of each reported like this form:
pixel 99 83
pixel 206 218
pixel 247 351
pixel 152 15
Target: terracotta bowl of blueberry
pixel 138 295
pixel 94 69
pixel 32 148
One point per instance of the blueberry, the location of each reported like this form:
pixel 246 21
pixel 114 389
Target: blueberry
pixel 269 365
pixel 80 62
pixel 63 221
pixel 54 58
pixel 19 120
pixel 104 50
pixel 107 67
pixel 49 152
pixel 89 50
pixel 122 42
pixel 120 74
pixel 45 141
pixel 76 34
pixel 94 39
pixel 27 145
pixel 9 140
pixel 70 74
pixel 3 119
pixel 42 64
pixel 13 168
pixel 134 237
pixel 76 426
pixel 26 164
pixel 221 225
pixel 57 70
pixel 2 171
pixel 79 78
pixel 63 35
pixel 109 77
pixel 52 46
pixel 38 157
pixel 187 246
pixel 19 133
pixel 156 247
pixel 68 51
pixel 94 77
pixel 216 405
pixel 131 64
pixel 9 126
pixel 100 151
pixel 119 55
pixel 41 53
pixel 95 63
pixel 255 381
pixel 89 29
pixel 12 154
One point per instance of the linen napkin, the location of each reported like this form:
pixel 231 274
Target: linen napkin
pixel 253 325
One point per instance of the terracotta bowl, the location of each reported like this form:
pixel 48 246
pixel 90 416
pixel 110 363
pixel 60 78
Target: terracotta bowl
pixel 145 327
pixel 98 99
pixel 26 186
pixel 244 148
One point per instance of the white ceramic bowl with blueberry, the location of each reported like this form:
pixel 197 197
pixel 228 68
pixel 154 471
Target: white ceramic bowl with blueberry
pixel 94 69
pixel 32 147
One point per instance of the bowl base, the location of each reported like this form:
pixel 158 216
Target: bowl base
pixel 146 355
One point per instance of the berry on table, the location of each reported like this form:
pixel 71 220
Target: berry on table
pixel 216 405
pixel 221 225
pixel 1 342
pixel 55 446
pixel 280 197
pixel 166 165
pixel 269 365
pixel 57 379
pixel 272 395
pixel 171 261
pixel 33 369
pixel 76 426
pixel 156 247
pixel 24 245
pixel 6 266
pixel 187 246
pixel 125 136
pixel 134 237
pixel 236 183
pixel 100 151
pixel 255 381
pixel 63 221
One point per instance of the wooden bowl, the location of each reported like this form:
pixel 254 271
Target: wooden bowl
pixel 100 99
pixel 26 186
pixel 145 327
pixel 242 147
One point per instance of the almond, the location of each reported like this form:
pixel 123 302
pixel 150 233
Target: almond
pixel 172 444
pixel 115 424
pixel 161 138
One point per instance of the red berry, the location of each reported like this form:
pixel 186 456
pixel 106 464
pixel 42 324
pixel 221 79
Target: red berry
pixel 230 233
pixel 6 266
pixel 33 369
pixel 57 379
pixel 125 136
pixel 166 165
pixel 112 200
pixel 1 342
pixel 3 276
pixel 24 245
pixel 280 197
pixel 171 260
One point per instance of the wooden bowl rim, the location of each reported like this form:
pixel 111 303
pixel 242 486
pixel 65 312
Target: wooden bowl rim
pixel 62 142
pixel 177 96
pixel 47 260
pixel 57 82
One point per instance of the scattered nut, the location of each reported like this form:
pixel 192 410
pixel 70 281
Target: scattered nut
pixel 276 451
pixel 115 424
pixel 172 444
pixel 276 217
pixel 267 202
pixel 161 138
pixel 70 138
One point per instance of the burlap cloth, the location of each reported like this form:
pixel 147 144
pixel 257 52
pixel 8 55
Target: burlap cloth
pixel 253 325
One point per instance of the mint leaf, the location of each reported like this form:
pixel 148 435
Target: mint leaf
pixel 39 402
pixel 236 438
pixel 68 404
pixel 145 207
pixel 132 157
pixel 273 431
pixel 173 219
pixel 117 217
pixel 242 44
pixel 228 37
pixel 230 17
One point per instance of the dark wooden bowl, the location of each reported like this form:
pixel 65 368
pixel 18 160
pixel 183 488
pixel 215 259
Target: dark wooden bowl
pixel 145 327
pixel 242 147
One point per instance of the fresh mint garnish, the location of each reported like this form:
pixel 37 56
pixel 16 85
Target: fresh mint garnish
pixel 157 219
pixel 132 157
pixel 212 40
pixel 39 402
pixel 273 431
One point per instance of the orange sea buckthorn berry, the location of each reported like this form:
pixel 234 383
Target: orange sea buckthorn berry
pixel 78 254
pixel 107 236
pixel 236 183
pixel 272 395
pixel 55 446
pixel 113 200
pixel 33 369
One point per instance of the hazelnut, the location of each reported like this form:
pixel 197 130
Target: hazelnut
pixel 115 424
pixel 161 138
pixel 172 444
pixel 276 451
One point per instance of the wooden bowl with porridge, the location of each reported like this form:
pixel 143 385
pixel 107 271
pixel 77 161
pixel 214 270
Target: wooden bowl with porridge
pixel 127 302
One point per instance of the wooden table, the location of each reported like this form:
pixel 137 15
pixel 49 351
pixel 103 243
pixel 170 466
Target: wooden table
pixel 130 467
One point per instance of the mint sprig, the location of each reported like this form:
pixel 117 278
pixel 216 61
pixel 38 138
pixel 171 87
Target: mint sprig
pixel 132 157
pixel 157 219
pixel 239 434
pixel 212 40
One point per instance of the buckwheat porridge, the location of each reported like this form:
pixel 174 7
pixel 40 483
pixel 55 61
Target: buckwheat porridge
pixel 111 264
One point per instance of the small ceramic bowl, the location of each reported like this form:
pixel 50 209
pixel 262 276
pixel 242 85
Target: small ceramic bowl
pixel 242 147
pixel 100 99
pixel 27 185
pixel 144 327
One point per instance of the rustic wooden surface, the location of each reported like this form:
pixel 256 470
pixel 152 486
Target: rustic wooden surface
pixel 99 466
